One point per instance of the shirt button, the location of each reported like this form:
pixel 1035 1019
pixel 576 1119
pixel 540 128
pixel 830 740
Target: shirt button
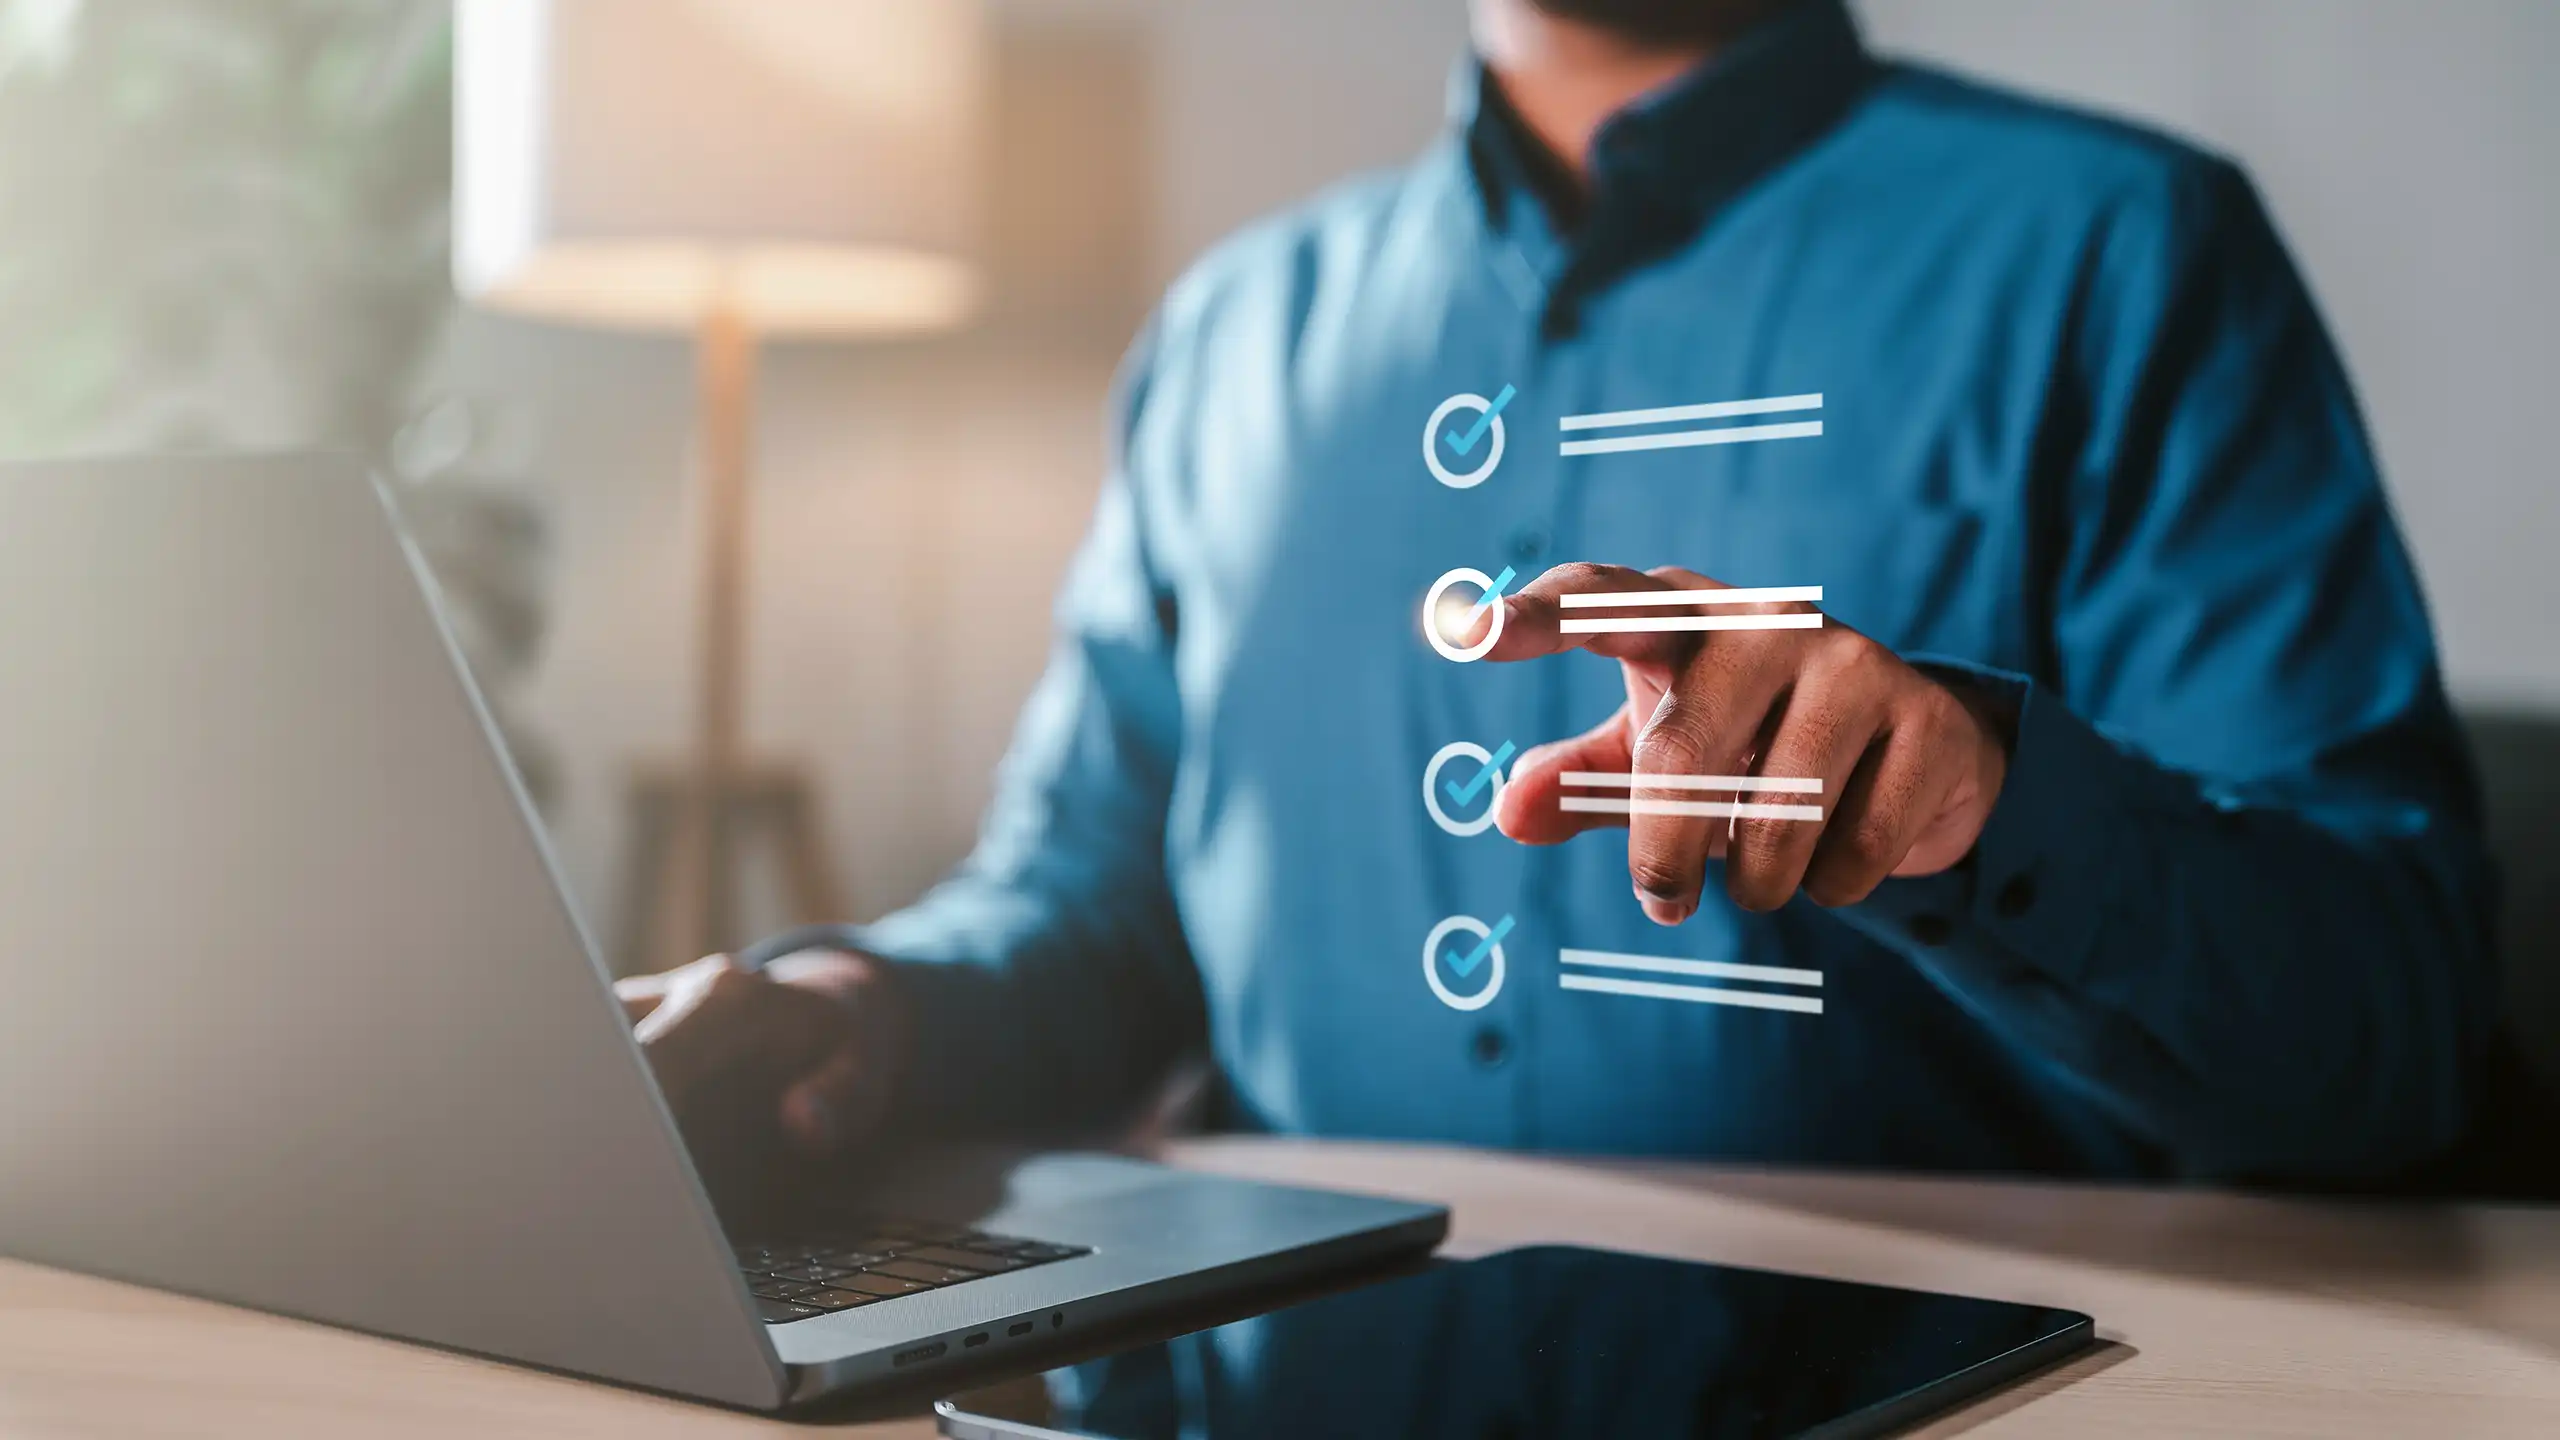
pixel 2016 898
pixel 1490 1047
pixel 1932 930
pixel 1529 543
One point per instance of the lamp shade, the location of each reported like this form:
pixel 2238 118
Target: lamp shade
pixel 802 166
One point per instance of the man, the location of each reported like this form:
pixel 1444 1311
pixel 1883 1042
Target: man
pixel 2145 847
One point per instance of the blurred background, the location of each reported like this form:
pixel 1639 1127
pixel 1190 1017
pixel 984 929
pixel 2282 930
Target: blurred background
pixel 228 225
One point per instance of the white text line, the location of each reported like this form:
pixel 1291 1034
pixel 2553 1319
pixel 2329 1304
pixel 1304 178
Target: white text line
pixel 1684 439
pixel 1781 784
pixel 1632 599
pixel 1694 994
pixel 1672 414
pixel 1699 809
pixel 1665 624
pixel 1700 969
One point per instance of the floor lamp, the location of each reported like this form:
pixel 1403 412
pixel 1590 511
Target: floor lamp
pixel 736 172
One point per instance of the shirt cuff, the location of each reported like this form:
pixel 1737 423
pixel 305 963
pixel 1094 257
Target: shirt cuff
pixel 2035 892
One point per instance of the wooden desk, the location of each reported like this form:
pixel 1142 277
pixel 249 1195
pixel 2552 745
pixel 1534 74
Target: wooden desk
pixel 2226 1315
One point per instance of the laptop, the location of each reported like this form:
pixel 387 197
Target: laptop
pixel 295 1014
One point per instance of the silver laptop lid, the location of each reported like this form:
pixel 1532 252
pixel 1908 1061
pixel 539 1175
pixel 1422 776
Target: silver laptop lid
pixel 293 1012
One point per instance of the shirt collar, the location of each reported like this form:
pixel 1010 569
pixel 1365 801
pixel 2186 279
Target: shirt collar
pixel 1683 150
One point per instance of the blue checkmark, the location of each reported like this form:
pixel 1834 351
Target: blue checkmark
pixel 1493 767
pixel 1466 964
pixel 1492 593
pixel 1465 444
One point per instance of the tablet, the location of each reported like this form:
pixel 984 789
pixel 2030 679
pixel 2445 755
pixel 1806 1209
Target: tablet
pixel 1545 1344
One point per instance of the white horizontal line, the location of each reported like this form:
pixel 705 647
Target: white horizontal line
pixel 1714 410
pixel 1659 624
pixel 1702 809
pixel 1701 969
pixel 1684 439
pixel 1695 994
pixel 1632 599
pixel 1783 784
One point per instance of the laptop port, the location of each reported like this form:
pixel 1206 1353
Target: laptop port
pixel 1018 1328
pixel 934 1351
pixel 974 1341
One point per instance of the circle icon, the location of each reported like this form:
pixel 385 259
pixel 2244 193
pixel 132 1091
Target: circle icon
pixel 1487 955
pixel 1450 649
pixel 1489 429
pixel 1494 779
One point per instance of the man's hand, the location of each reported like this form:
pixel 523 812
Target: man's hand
pixel 1910 767
pixel 804 1052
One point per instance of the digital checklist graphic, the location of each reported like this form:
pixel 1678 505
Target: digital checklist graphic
pixel 1440 618
pixel 1450 438
pixel 1618 600
pixel 1620 795
pixel 1456 952
pixel 1606 972
pixel 1647 433
pixel 1462 777
pixel 1464 959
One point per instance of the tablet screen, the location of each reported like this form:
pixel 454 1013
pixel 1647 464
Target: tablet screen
pixel 1544 1343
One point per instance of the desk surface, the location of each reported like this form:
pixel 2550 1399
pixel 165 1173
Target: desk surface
pixel 2226 1315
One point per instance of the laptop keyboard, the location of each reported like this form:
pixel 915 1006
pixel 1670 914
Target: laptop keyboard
pixel 804 1280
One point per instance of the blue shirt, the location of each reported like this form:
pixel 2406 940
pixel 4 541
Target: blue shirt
pixel 2083 436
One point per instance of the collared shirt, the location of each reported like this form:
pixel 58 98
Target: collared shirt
pixel 2081 435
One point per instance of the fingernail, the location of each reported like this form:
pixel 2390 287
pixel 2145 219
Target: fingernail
pixel 1665 910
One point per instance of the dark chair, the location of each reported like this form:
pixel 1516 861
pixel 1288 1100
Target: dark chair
pixel 2515 1151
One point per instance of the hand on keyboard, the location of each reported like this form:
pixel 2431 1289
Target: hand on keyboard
pixel 800 1056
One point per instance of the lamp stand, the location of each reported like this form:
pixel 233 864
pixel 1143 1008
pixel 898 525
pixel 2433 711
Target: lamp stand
pixel 690 824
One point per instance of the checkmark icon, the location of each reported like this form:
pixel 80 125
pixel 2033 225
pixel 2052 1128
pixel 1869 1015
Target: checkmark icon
pixel 1467 964
pixel 1486 776
pixel 1492 593
pixel 1466 443
pixel 1440 965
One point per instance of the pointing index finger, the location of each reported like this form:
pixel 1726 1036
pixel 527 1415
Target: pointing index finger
pixel 1533 616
